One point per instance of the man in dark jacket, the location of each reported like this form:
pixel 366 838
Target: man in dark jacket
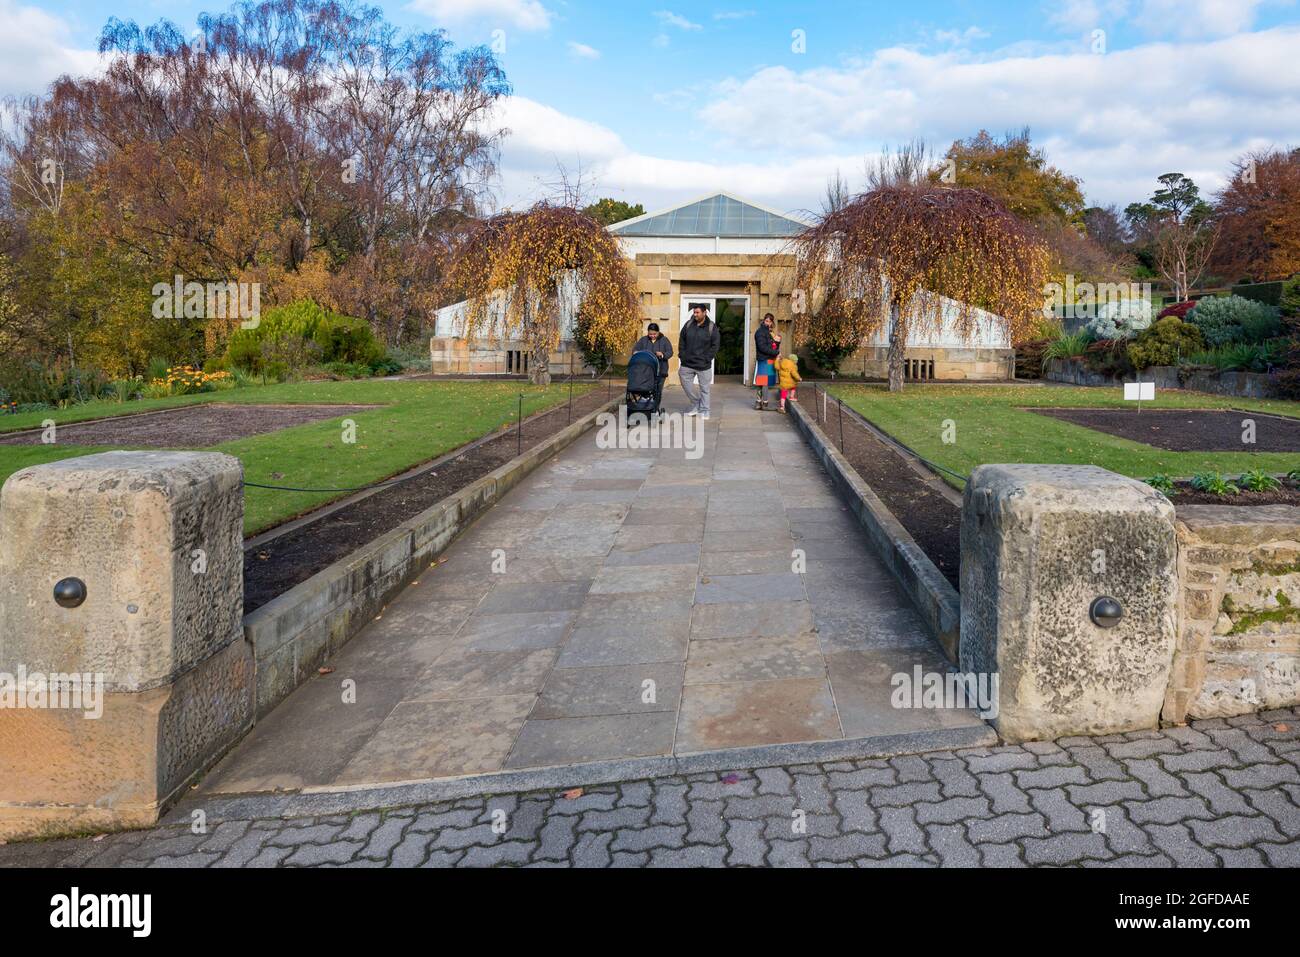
pixel 767 350
pixel 654 342
pixel 696 346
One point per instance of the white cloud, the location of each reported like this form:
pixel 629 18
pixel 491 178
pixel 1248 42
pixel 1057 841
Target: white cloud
pixel 524 14
pixel 35 50
pixel 1076 15
pixel 542 137
pixel 1115 120
pixel 1192 19
pixel 1197 18
pixel 960 37
pixel 583 51
pixel 670 19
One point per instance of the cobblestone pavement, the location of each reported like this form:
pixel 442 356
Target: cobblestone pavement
pixel 1217 793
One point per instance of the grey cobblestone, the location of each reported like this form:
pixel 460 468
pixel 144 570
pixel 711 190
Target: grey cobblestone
pixel 1007 827
pixel 669 803
pixel 1157 781
pixel 774 781
pixel 1223 792
pixel 951 844
pixel 746 844
pixel 899 824
pixel 1099 765
pixel 954 780
pixel 1222 799
pixel 1002 791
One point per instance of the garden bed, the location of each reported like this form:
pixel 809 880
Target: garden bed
pixel 1286 495
pixel 932 520
pixel 196 426
pixel 272 568
pixel 1187 430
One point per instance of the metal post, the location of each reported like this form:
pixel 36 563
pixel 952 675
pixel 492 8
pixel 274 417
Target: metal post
pixel 570 393
pixel 519 444
pixel 841 402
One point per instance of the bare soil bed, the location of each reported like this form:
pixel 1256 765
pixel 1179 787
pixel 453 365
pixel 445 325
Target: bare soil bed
pixel 1188 430
pixel 930 518
pixel 272 568
pixel 193 427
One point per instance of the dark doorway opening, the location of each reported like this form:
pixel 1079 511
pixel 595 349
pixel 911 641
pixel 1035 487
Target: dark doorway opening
pixel 731 327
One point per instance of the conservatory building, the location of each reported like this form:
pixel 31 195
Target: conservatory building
pixel 732 256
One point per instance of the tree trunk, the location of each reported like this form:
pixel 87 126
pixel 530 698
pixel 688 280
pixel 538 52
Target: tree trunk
pixel 539 363
pixel 897 347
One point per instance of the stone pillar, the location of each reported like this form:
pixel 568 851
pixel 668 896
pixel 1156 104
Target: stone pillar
pixel 1039 544
pixel 151 679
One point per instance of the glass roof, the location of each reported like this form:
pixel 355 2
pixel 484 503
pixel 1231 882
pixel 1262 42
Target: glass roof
pixel 715 216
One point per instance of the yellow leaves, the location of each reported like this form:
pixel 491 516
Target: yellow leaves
pixel 526 271
pixel 896 244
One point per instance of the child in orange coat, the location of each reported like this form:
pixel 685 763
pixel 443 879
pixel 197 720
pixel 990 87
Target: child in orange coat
pixel 787 374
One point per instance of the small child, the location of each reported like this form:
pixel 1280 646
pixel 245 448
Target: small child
pixel 787 372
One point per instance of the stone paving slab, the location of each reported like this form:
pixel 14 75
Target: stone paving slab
pixel 618 605
pixel 1115 801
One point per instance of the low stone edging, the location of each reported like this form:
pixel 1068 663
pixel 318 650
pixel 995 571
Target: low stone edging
pixel 1244 385
pixel 330 799
pixel 293 634
pixel 932 594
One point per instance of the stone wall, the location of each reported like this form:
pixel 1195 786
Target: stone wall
pixel 452 356
pixel 1238 644
pixel 944 364
pixel 1247 385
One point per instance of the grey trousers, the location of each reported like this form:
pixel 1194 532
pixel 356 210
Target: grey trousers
pixel 696 384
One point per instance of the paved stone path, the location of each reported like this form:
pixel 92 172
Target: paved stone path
pixel 620 604
pixel 1217 793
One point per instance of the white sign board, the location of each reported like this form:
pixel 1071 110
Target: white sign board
pixel 1139 391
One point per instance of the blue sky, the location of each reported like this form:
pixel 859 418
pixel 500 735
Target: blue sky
pixel 661 101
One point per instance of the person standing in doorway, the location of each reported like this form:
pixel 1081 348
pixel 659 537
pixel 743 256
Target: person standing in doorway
pixel 654 341
pixel 697 346
pixel 768 349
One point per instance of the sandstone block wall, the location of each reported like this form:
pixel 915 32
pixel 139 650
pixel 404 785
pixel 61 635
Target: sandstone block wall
pixel 1238 645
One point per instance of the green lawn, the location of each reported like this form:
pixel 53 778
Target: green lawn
pixel 991 427
pixel 418 421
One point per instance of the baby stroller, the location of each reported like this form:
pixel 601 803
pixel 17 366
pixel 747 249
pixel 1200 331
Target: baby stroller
pixel 642 376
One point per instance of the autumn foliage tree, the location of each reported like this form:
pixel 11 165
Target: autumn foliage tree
pixel 523 273
pixel 1259 217
pixel 1023 181
pixel 890 257
pixel 306 145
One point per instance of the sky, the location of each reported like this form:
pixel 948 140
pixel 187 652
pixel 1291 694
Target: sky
pixel 661 101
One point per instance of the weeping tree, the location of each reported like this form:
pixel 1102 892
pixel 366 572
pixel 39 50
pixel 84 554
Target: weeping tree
pixel 914 258
pixel 522 273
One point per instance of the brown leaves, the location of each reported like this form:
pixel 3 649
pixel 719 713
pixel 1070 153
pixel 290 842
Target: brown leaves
pixel 523 274
pixel 910 246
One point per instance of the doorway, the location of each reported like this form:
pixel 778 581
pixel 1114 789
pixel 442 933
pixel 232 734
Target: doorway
pixel 731 313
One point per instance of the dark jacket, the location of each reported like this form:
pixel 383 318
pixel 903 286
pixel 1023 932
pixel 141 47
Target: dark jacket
pixel 698 344
pixel 763 344
pixel 661 346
